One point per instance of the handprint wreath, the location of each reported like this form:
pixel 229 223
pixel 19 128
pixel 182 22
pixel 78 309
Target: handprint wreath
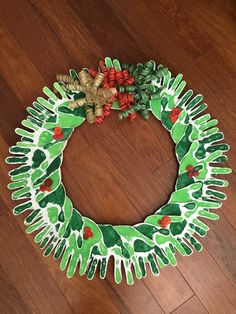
pixel 91 95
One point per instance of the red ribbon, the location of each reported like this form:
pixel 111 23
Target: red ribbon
pixel 115 78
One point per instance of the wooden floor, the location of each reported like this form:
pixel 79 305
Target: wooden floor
pixel 118 172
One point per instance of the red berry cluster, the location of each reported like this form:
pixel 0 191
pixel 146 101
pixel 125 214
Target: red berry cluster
pixel 164 222
pixel 58 133
pixel 87 233
pixel 173 116
pixel 46 185
pixel 191 172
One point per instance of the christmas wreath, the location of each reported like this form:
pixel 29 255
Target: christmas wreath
pixel 91 95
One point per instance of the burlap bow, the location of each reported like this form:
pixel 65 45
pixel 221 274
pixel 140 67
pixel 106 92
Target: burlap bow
pixel 95 96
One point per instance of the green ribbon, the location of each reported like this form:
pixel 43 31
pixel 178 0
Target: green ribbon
pixel 144 90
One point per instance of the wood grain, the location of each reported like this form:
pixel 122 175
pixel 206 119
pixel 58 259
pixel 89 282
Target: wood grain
pixel 10 300
pixel 117 172
pixel 193 306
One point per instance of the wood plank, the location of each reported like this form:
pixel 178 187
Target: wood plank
pixel 9 121
pixel 128 167
pixel 108 25
pixel 220 27
pixel 73 35
pixel 170 289
pixel 15 60
pixel 97 184
pixel 208 282
pixel 84 296
pixel 221 244
pixel 44 49
pixel 10 299
pixel 157 47
pixel 97 133
pixel 184 26
pixel 150 140
pixel 193 306
pixel 3 206
pixel 32 281
pixel 138 299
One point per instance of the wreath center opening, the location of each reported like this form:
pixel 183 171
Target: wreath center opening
pixel 121 171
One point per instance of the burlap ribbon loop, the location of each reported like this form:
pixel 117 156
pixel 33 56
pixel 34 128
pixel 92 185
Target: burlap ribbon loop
pixel 95 96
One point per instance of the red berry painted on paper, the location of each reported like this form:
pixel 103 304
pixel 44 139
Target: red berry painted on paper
pixel 86 236
pixel 48 182
pixel 87 229
pixel 58 133
pixel 174 114
pixel 46 185
pixel 57 130
pixel 164 222
pixel 191 172
pixel 58 136
pixel 42 188
pixel 189 168
pixel 87 233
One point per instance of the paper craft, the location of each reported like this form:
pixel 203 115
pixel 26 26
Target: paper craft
pixel 90 95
